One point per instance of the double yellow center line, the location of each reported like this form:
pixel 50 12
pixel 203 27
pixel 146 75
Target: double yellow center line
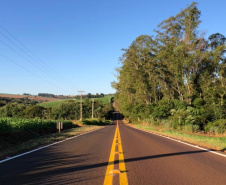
pixel 110 168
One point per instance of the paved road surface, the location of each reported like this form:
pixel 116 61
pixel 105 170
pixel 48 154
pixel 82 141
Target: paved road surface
pixel 149 159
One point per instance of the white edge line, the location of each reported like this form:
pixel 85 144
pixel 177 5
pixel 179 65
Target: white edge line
pixel 40 148
pixel 208 150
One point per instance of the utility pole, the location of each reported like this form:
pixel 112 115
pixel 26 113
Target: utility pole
pixel 81 104
pixel 92 106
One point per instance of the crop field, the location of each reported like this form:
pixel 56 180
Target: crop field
pixel 12 125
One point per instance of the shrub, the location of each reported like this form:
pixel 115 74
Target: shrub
pixel 178 118
pixel 179 104
pixel 199 102
pixel 5 126
pixel 218 126
pixel 162 110
pixel 190 128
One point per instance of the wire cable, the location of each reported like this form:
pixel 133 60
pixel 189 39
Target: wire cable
pixel 43 65
pixel 30 72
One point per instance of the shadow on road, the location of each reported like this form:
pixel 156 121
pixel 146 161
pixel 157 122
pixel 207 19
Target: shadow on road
pixel 60 168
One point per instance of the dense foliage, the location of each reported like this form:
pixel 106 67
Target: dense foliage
pixel 46 95
pixel 178 75
pixel 68 110
pixel 5 100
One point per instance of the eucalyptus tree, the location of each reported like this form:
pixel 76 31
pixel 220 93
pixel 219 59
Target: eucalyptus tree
pixel 178 63
pixel 137 74
pixel 182 51
pixel 218 48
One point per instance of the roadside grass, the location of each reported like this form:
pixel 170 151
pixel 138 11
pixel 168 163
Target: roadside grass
pixel 50 138
pixel 216 143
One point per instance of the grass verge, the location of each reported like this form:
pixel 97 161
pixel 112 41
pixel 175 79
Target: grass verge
pixel 216 143
pixel 44 140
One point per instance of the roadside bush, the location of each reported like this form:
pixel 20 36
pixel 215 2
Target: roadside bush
pixel 146 122
pixel 13 110
pixel 34 112
pixel 95 121
pixel 162 110
pixel 198 102
pixel 190 128
pixel 218 126
pixel 5 126
pixel 67 110
pixel 201 121
pixel 211 112
pixel 179 104
pixel 177 118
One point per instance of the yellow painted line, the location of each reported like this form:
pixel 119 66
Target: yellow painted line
pixel 108 177
pixel 122 168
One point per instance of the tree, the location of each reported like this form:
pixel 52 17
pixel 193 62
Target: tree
pixel 177 64
pixel 34 112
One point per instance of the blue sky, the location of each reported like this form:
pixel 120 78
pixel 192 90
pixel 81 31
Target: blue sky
pixel 78 42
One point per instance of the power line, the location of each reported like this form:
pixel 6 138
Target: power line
pixel 43 65
pixel 25 52
pixel 25 58
pixel 30 72
pixel 27 49
pixel 34 64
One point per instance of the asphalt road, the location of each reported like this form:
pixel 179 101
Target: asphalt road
pixel 149 159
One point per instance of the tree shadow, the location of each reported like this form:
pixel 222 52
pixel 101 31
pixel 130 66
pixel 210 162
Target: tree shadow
pixel 58 168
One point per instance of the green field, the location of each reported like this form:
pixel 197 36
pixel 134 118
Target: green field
pixel 52 103
pixel 104 100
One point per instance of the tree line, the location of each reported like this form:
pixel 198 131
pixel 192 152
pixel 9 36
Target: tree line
pixel 177 75
pixel 5 100
pixel 46 95
pixel 68 110
pixel 89 95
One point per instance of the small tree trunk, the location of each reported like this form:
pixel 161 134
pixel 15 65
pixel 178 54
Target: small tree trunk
pixel 222 99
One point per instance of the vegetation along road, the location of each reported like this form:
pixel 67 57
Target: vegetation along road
pixel 116 154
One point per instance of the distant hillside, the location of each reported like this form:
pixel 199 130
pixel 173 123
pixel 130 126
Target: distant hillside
pixel 105 100
pixel 36 98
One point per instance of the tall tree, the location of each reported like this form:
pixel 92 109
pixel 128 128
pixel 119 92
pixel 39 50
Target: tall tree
pixel 179 63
